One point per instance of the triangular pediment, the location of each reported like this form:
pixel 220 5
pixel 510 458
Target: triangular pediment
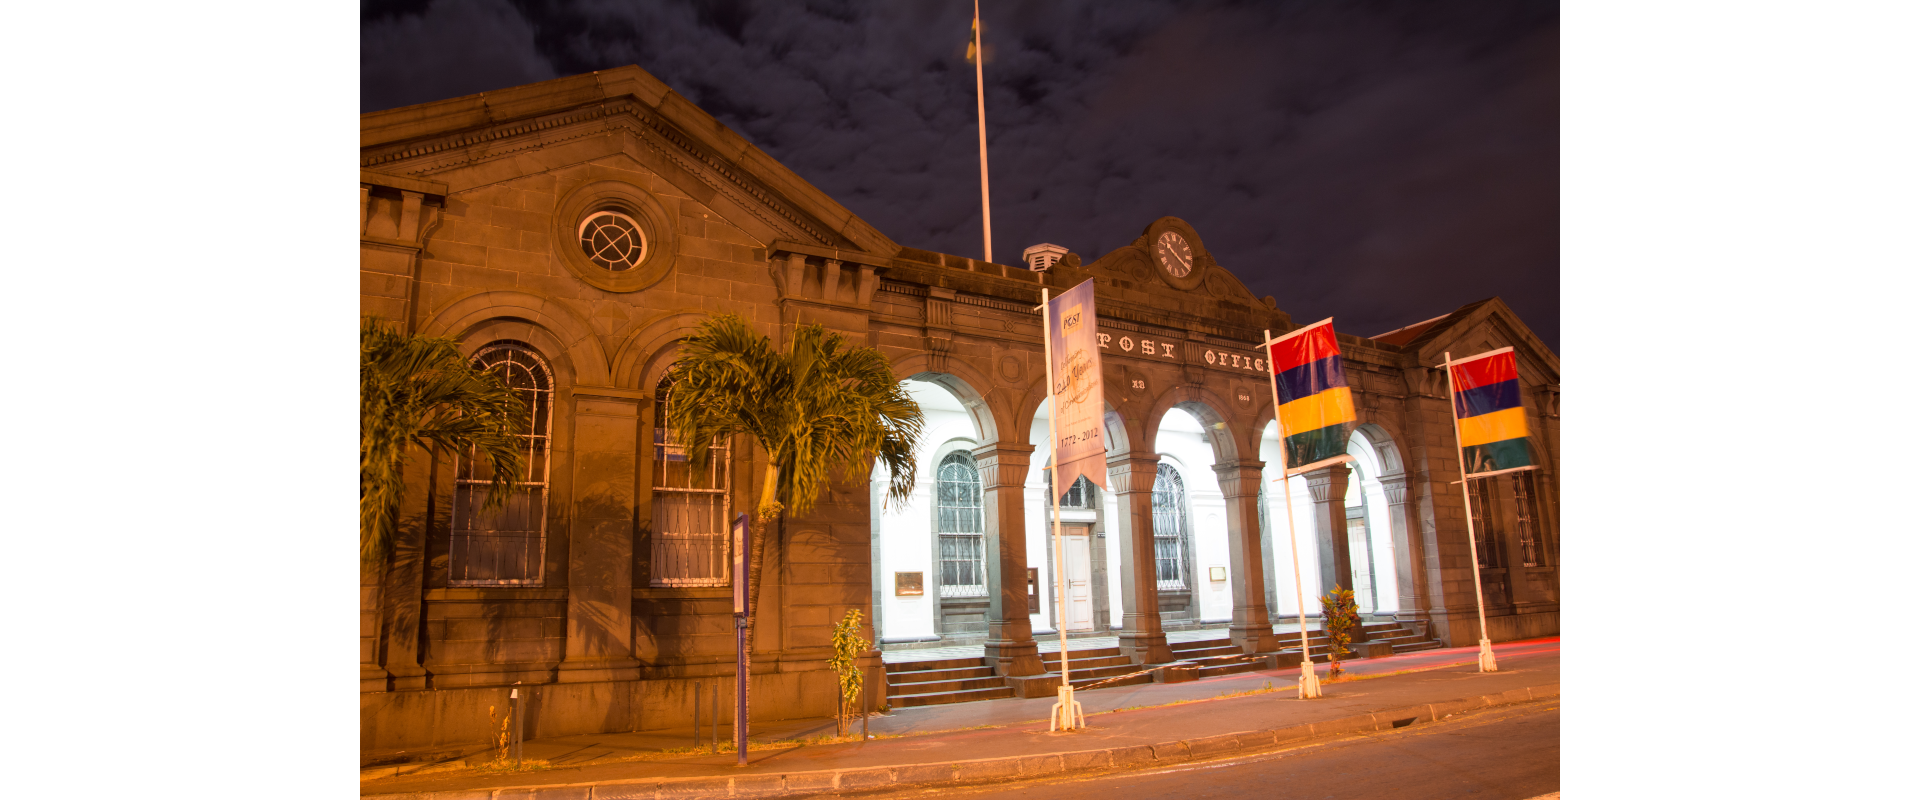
pixel 608 116
pixel 1482 326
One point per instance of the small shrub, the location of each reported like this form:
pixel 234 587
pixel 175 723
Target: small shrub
pixel 1341 617
pixel 847 647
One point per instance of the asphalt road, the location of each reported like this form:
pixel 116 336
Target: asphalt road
pixel 1510 753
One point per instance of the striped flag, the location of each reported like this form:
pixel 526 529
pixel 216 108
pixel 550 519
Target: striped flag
pixel 1314 405
pixel 1486 409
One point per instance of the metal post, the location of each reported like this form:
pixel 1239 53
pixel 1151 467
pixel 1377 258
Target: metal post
pixel 519 721
pixel 696 714
pixel 740 687
pixel 713 705
pixel 866 709
pixel 1487 663
pixel 1309 682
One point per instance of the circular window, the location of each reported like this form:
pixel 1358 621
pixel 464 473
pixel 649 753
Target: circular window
pixel 612 240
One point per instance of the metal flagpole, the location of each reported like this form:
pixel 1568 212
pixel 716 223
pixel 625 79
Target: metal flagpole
pixel 1066 711
pixel 1309 682
pixel 1487 663
pixel 979 51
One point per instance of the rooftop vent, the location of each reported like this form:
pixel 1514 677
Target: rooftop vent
pixel 1042 257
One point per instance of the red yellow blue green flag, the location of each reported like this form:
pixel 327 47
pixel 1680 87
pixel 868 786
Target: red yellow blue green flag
pixel 1311 397
pixel 1487 413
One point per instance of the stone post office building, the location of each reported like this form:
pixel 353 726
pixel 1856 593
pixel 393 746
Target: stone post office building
pixel 575 231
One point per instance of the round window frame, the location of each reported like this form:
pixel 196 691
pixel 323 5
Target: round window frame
pixel 636 204
pixel 1202 264
pixel 580 233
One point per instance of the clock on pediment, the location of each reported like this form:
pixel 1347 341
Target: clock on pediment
pixel 1173 253
pixel 1176 253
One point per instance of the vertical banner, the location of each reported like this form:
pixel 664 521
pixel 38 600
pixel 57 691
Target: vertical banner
pixel 1311 398
pixel 740 564
pixel 1486 406
pixel 1079 401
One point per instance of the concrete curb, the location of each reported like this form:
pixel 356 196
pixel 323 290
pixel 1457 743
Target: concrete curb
pixel 956 773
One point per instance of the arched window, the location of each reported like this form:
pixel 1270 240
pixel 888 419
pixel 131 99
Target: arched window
pixel 960 524
pixel 690 509
pixel 1169 529
pixel 506 546
pixel 1079 495
pixel 1531 553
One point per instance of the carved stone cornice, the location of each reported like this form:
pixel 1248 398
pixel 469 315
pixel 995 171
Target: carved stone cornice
pixel 1130 473
pixel 1003 464
pixel 1323 481
pixel 1239 478
pixel 1396 488
pixel 1547 399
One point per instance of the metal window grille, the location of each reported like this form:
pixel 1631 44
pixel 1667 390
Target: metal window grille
pixel 1484 539
pixel 612 240
pixel 1169 529
pixel 960 523
pixel 690 512
pixel 1078 496
pixel 1523 503
pixel 506 546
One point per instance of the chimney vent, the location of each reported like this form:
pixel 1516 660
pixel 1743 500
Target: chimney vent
pixel 1042 257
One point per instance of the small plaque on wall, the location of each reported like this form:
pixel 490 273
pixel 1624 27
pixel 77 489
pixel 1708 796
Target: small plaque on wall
pixel 1217 573
pixel 907 584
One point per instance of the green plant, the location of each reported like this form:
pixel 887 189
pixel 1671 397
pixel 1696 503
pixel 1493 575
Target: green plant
pixel 504 735
pixel 847 647
pixel 822 407
pixel 419 391
pixel 1341 617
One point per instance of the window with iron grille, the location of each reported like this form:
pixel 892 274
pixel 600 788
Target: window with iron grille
pixel 1485 539
pixel 959 521
pixel 1080 495
pixel 506 546
pixel 690 510
pixel 1169 529
pixel 1530 554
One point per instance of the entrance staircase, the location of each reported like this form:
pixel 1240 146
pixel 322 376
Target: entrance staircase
pixel 964 679
pixel 1403 637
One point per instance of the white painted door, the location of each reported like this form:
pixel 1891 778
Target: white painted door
pixel 1079 580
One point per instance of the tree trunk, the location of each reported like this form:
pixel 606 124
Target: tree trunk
pixel 756 569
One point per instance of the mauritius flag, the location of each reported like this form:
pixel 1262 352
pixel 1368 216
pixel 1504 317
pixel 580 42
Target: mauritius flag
pixel 1310 390
pixel 1486 407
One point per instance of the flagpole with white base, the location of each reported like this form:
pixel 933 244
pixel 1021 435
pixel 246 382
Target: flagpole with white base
pixel 1309 681
pixel 1487 664
pixel 1066 711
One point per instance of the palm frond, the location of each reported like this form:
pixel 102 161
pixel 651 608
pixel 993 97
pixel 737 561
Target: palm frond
pixel 419 391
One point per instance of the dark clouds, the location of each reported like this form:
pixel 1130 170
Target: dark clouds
pixel 1381 163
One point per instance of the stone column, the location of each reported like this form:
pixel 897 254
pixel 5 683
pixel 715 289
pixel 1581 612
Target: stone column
pixel 1409 551
pixel 1329 488
pixel 1003 476
pixel 1141 638
pixel 1251 628
pixel 606 452
pixel 405 581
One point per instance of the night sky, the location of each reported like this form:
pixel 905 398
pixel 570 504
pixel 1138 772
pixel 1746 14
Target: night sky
pixel 1381 163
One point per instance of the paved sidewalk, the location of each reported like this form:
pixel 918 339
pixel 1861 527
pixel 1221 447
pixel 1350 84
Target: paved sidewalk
pixel 1008 739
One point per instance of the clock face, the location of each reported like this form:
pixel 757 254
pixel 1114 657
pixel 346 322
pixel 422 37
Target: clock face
pixel 1174 254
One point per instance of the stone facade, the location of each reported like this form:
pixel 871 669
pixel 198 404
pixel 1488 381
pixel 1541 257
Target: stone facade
pixel 470 228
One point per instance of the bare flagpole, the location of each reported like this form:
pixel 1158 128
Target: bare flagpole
pixel 978 50
pixel 1309 682
pixel 1066 711
pixel 1487 663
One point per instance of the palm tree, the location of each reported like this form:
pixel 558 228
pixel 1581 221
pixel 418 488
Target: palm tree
pixel 418 390
pixel 818 408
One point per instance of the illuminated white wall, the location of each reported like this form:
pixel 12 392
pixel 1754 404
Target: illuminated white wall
pixel 1183 443
pixel 906 529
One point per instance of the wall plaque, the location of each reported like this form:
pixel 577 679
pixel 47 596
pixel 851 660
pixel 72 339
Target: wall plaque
pixel 1217 573
pixel 908 584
